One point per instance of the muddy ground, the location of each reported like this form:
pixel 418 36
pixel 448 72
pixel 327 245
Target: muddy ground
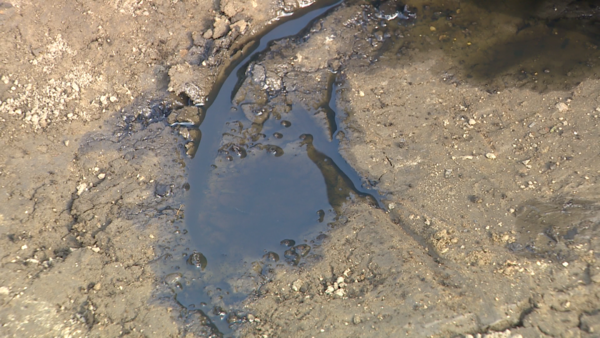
pixel 488 169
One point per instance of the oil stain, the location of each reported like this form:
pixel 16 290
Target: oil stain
pixel 555 229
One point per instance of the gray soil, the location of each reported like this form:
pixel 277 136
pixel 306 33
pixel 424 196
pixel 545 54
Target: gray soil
pixel 491 222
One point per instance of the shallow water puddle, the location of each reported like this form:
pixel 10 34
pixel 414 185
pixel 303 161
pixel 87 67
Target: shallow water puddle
pixel 537 44
pixel 262 192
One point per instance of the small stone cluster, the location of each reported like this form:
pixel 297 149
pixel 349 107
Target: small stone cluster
pixel 337 288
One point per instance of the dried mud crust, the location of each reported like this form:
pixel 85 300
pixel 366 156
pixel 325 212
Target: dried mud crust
pixel 91 176
pixel 490 188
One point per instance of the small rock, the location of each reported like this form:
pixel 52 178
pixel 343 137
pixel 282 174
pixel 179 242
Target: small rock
pixel 4 291
pixel 562 107
pixel 447 173
pixel 356 319
pixel 173 278
pixel 190 149
pixel 297 285
pixel 198 260
pixel 81 188
pixel 194 135
pixel 101 176
pixel 208 34
pixel 98 286
pixel 302 249
pixel 240 25
pixel 491 156
pixel 340 293
pixel 250 318
pixel 271 257
pixel 221 27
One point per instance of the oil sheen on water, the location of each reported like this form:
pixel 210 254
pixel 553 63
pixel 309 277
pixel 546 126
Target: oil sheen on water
pixel 261 194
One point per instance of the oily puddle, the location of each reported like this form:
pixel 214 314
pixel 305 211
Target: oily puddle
pixel 266 200
pixel 265 183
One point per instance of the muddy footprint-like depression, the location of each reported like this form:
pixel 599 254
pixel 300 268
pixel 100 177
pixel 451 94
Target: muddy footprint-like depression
pixel 299 169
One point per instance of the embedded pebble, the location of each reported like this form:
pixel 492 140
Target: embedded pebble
pixel 291 257
pixel 190 149
pixel 302 249
pixel 288 242
pixel 221 27
pixel 194 135
pixel 238 150
pixel 163 190
pixel 81 188
pixel 323 237
pixel 297 285
pixel 198 260
pixel 271 256
pixel 562 107
pixel 274 150
pixel 321 214
pixel 173 278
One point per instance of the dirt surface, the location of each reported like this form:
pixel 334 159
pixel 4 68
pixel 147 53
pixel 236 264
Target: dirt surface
pixel 488 168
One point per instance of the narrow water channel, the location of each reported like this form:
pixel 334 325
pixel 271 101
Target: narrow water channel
pixel 261 194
